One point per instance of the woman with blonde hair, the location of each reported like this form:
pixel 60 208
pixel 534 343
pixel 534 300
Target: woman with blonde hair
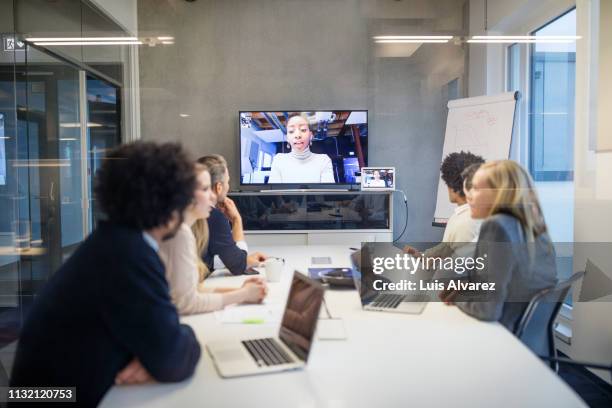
pixel 185 270
pixel 517 253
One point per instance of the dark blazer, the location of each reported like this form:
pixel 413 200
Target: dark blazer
pixel 108 304
pixel 221 242
pixel 518 269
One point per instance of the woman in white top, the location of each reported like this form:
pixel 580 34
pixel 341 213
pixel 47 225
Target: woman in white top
pixel 377 181
pixel 185 270
pixel 301 165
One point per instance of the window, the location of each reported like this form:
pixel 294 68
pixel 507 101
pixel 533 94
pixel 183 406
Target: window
pixel 514 83
pixel 552 100
pixel 514 68
pixel 543 139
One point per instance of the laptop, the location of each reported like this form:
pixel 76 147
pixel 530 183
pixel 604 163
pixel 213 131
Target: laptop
pixel 381 301
pixel 289 350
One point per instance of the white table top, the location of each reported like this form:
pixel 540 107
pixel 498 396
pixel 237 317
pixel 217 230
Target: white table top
pixel 441 358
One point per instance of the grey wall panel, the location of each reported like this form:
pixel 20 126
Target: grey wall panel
pixel 316 54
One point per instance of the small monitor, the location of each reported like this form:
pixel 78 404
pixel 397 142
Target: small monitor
pixel 377 178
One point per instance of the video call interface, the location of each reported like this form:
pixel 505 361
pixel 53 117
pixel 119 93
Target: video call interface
pixel 340 135
pixel 378 178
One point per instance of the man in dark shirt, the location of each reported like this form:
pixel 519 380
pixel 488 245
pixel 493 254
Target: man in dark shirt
pixel 226 235
pixel 105 316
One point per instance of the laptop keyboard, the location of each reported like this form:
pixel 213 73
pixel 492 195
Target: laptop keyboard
pixel 387 301
pixel 392 301
pixel 267 352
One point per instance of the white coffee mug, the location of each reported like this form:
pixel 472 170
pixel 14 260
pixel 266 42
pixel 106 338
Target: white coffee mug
pixel 273 268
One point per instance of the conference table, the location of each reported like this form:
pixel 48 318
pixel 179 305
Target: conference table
pixel 440 358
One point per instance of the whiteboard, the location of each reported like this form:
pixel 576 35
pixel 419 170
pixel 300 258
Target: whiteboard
pixel 481 125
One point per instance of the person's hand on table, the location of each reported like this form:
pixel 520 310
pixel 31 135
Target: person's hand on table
pixel 256 279
pixel 448 296
pixel 412 251
pixel 256 258
pixel 254 291
pixel 133 373
pixel 229 209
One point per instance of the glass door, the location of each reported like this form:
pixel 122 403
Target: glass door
pixel 56 123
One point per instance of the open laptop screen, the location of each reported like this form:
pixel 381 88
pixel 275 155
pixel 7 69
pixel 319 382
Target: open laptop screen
pixel 301 314
pixel 363 274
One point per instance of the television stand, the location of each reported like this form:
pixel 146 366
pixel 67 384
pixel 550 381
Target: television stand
pixel 324 217
pixel 305 190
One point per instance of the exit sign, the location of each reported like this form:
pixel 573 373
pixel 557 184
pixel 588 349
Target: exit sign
pixel 10 43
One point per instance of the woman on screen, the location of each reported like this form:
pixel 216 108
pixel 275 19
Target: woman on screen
pixel 300 165
pixel 377 181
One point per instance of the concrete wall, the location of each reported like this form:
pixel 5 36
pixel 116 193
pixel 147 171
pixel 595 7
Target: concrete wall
pixel 315 54
pixel 123 12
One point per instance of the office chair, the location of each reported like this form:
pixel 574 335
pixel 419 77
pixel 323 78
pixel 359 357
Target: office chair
pixel 536 326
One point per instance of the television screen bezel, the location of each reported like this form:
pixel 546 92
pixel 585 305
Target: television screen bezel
pixel 286 186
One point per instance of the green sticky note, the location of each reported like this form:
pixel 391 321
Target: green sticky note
pixel 253 321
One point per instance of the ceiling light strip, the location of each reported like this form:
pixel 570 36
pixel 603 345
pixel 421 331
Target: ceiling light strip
pixel 71 39
pixel 413 37
pixel 89 43
pixel 410 41
pixel 526 37
pixel 519 41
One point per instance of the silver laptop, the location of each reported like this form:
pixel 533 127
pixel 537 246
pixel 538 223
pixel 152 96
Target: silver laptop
pixel 287 351
pixel 381 301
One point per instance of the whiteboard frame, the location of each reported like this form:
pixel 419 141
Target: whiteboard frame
pixel 476 101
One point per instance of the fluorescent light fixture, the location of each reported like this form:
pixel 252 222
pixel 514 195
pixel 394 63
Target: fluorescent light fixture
pixel 527 39
pixel 42 163
pixel 78 125
pixel 167 42
pixel 89 43
pixel 411 41
pixel 515 41
pixel 68 139
pixel 184 115
pixel 413 37
pixel 80 39
pixel 165 38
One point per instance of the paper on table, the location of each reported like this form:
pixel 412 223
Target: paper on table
pixel 248 314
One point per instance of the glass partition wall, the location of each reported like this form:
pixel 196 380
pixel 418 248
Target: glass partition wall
pixel 59 113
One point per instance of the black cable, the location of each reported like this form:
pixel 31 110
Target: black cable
pixel 406 219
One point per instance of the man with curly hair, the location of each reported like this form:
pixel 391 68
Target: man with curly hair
pixel 105 317
pixel 460 228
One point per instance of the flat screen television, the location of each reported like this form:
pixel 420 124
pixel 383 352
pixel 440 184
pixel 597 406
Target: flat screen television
pixel 302 148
